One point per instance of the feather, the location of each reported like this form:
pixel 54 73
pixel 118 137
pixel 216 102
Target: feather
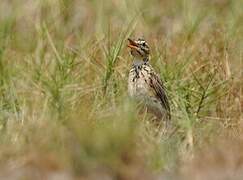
pixel 157 85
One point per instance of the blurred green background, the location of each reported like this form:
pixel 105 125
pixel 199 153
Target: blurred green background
pixel 64 108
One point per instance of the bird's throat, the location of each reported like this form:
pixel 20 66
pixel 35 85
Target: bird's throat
pixel 139 62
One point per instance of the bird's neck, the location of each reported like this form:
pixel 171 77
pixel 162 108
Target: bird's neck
pixel 138 61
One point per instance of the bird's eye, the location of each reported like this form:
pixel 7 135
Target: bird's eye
pixel 143 44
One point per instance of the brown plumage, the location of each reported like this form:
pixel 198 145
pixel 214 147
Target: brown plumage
pixel 144 84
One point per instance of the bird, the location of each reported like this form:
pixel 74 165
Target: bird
pixel 144 83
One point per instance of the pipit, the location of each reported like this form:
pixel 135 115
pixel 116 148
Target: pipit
pixel 144 84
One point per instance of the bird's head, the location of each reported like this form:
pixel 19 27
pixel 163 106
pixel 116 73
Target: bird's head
pixel 139 49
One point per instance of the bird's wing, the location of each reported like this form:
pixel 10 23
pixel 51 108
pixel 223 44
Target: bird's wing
pixel 159 89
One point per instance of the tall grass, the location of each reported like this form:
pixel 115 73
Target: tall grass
pixel 64 106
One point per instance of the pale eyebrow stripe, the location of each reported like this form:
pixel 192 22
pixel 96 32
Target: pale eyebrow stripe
pixel 141 41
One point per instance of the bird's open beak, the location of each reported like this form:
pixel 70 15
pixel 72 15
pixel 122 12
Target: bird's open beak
pixel 132 44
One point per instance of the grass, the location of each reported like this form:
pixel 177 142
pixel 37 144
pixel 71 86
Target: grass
pixel 64 106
